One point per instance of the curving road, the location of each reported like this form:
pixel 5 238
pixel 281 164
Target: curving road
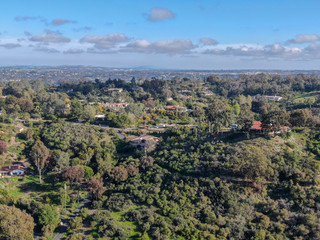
pixel 63 228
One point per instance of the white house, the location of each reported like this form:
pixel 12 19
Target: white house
pixel 144 140
pixel 275 98
pixel 12 170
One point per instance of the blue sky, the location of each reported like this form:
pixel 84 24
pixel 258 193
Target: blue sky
pixel 180 34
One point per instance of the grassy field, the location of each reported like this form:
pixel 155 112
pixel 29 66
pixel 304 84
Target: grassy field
pixel 28 186
pixel 11 186
pixel 130 227
pixel 307 97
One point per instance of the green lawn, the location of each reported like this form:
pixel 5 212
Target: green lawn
pixel 28 186
pixel 130 227
pixel 11 186
pixel 306 97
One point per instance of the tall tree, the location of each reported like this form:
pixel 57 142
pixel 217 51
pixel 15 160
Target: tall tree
pixel 274 120
pixel 26 105
pixel 89 113
pixel 249 161
pixel 73 174
pixel 76 110
pixel 39 155
pixel 15 224
pixel 146 162
pixel 218 114
pixel 245 118
pixel 61 160
pixel 198 113
pixel 48 219
pixel 119 174
pixel 95 187
pixel 300 117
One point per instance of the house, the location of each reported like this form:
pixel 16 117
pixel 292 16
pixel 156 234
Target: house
pixel 184 91
pixel 257 127
pixel 115 90
pixel 275 98
pixel 165 125
pixel 208 93
pixel 283 129
pixel 175 108
pixel 143 142
pixel 100 116
pixel 18 170
pixel 53 89
pixel 114 106
pixel 184 97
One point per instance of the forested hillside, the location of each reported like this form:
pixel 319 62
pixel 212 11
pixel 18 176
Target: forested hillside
pixel 213 158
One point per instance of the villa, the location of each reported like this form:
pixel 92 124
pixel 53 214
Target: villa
pixel 17 170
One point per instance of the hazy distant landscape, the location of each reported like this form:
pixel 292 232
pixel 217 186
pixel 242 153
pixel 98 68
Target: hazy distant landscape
pixel 55 74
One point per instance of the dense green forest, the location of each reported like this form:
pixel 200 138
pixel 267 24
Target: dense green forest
pixel 213 158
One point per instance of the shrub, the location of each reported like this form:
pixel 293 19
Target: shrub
pixel 75 223
pixel 290 145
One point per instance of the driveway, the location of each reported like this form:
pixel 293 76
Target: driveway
pixel 63 228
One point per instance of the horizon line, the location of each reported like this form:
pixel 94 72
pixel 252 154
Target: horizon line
pixel 153 68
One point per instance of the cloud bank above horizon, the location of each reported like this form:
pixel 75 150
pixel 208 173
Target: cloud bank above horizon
pixel 170 36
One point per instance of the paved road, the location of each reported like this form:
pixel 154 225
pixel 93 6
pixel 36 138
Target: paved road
pixel 63 229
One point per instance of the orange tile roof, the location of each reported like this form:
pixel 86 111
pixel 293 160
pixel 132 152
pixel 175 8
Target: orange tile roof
pixel 14 167
pixel 256 126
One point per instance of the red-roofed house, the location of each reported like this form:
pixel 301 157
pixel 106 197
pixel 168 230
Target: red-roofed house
pixel 12 170
pixel 256 126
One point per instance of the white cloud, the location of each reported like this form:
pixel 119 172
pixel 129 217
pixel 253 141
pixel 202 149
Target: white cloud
pixel 106 41
pixel 31 18
pixel 50 37
pixel 312 51
pixel 268 51
pixel 10 45
pixel 208 41
pixel 101 51
pixel 119 44
pixel 46 49
pixel 158 14
pixel 169 46
pixel 139 44
pixel 304 38
pixel 73 51
pixel 60 21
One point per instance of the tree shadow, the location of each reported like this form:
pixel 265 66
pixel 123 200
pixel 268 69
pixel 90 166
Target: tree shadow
pixel 33 185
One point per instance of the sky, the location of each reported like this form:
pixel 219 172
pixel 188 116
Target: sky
pixel 166 34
